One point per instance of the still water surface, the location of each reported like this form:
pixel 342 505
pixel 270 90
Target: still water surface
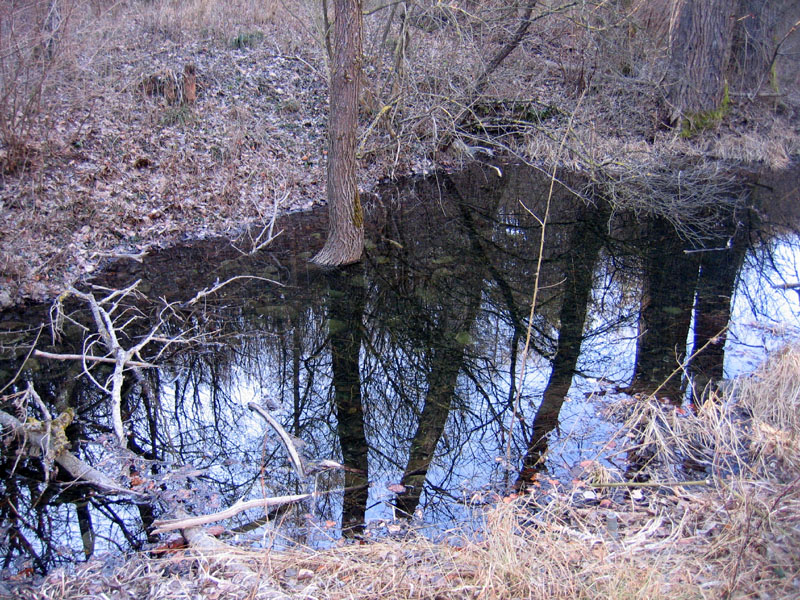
pixel 405 368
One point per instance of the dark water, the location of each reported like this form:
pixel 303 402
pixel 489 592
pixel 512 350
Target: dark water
pixel 404 368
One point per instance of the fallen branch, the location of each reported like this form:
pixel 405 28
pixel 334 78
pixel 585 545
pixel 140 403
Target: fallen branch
pixel 297 461
pixel 122 358
pixel 103 359
pixel 164 525
pixel 46 440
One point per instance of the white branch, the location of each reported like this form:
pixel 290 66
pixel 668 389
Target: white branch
pixel 297 462
pixel 203 293
pixel 164 525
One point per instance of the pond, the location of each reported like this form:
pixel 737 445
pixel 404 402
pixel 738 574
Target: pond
pixel 421 370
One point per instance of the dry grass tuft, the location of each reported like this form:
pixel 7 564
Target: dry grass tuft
pixel 185 20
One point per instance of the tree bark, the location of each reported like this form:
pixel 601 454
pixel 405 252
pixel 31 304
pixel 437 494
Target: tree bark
pixel 701 33
pixel 345 242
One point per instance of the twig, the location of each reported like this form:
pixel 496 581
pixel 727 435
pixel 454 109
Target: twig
pixel 103 359
pixel 207 292
pixel 258 243
pixel 644 484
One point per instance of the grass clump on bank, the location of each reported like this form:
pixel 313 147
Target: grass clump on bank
pixel 735 537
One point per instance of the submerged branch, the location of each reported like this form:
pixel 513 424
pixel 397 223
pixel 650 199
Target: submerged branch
pixel 164 525
pixel 48 443
pixel 297 461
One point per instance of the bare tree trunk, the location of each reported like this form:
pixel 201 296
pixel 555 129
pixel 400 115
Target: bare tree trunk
pixel 346 227
pixel 761 55
pixel 701 33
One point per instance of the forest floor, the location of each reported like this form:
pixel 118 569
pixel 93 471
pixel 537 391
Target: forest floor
pixel 107 169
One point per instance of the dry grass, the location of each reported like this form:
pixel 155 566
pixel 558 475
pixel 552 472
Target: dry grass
pixel 735 538
pixel 182 19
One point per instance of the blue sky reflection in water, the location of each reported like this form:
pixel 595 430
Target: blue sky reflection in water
pixel 406 367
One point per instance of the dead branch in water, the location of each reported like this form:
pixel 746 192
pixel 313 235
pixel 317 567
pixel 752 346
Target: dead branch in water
pixel 164 525
pixel 297 461
pixel 104 322
pixel 49 438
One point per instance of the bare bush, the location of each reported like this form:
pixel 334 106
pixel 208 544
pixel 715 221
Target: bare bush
pixel 30 36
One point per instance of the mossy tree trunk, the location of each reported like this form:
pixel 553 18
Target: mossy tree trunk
pixel 701 32
pixel 345 241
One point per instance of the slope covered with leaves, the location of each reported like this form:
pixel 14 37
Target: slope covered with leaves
pixel 98 160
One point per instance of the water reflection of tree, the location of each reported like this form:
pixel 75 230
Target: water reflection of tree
pixel 586 242
pixel 669 281
pixel 403 370
pixel 345 329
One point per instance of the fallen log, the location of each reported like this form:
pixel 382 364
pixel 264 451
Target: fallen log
pixel 51 442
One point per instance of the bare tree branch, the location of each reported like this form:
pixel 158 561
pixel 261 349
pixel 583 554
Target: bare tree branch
pixel 103 359
pixel 297 461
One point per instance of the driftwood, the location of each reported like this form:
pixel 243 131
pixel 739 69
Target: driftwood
pixel 164 525
pixel 185 522
pixel 45 439
pixel 294 455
